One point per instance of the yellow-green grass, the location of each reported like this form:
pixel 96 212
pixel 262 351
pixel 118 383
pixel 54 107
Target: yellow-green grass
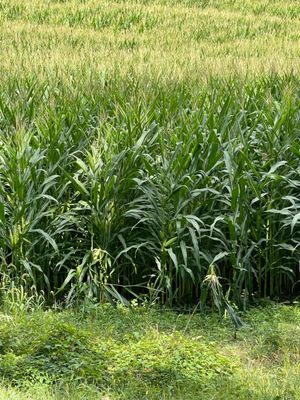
pixel 164 39
pixel 114 354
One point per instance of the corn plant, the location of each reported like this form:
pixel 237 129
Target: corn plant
pixel 130 189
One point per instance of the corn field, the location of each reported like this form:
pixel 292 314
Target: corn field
pixel 150 149
pixel 133 190
pixel 156 40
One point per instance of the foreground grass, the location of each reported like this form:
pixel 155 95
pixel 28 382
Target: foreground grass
pixel 102 353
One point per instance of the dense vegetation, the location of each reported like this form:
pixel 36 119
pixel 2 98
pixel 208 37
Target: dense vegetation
pixel 144 179
pixel 113 354
pixel 149 157
pixel 149 188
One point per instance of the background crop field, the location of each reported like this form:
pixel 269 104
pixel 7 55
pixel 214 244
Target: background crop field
pixel 165 39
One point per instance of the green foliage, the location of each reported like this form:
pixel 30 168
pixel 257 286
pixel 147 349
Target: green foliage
pixel 52 348
pixel 131 189
pixel 115 353
pixel 170 177
pixel 133 182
